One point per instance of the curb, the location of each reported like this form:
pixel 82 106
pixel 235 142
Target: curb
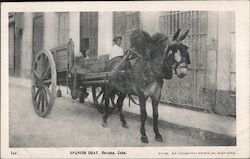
pixel 225 140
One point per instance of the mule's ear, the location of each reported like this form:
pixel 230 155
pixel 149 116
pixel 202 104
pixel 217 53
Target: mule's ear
pixel 176 34
pixel 184 35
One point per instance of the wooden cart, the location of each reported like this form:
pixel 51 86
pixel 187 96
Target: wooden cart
pixel 58 66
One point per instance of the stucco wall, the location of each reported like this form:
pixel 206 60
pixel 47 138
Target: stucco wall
pixel 212 46
pixel 224 42
pixel 26 45
pixel 105 34
pixel 50 30
pixel 218 93
pixel 150 21
pixel 74 31
pixel 220 51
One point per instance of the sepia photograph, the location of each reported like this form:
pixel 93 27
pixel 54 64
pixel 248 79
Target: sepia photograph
pixel 118 82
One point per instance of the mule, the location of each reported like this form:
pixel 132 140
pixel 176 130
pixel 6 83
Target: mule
pixel 156 58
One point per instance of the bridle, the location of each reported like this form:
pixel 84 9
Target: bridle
pixel 176 64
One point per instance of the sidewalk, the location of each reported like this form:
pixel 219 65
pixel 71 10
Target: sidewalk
pixel 218 124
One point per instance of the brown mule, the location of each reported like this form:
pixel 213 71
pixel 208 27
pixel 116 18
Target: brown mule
pixel 145 77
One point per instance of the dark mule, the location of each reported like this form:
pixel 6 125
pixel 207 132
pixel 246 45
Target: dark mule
pixel 145 77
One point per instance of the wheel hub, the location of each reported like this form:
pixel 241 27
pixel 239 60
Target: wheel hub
pixel 39 82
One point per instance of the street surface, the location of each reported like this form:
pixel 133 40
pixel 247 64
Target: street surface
pixel 71 124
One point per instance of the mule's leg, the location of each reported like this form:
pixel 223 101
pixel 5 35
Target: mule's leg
pixel 155 102
pixel 106 109
pixel 120 104
pixel 142 101
pixel 112 99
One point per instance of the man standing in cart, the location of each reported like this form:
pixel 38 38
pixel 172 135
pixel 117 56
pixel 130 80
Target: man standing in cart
pixel 116 49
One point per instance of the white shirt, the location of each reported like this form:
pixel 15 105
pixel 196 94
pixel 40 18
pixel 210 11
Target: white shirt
pixel 116 51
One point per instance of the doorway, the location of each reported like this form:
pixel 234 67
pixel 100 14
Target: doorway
pixel 89 32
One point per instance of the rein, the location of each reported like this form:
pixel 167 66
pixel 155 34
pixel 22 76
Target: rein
pixel 132 99
pixel 183 66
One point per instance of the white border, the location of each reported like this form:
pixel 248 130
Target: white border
pixel 242 77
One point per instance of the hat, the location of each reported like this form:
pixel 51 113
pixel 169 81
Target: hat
pixel 116 38
pixel 158 37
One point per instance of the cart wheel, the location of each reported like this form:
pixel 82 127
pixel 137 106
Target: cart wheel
pixel 43 75
pixel 98 99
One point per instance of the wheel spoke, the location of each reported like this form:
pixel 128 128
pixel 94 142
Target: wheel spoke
pixel 47 81
pixel 37 93
pixel 45 65
pixel 45 98
pixel 42 98
pixel 113 101
pixel 36 74
pixel 102 101
pixel 46 68
pixel 39 100
pixel 48 91
pixel 99 94
pixel 94 94
pixel 46 72
pixel 42 59
pixel 40 65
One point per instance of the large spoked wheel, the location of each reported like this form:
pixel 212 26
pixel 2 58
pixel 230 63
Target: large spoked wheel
pixel 99 100
pixel 44 79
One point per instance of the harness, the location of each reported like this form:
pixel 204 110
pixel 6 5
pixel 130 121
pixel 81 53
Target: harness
pixel 132 60
pixel 121 65
pixel 133 52
pixel 177 64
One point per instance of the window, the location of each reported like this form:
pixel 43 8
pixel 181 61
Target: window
pixel 63 28
pixel 119 18
pixel 38 32
pixel 89 32
pixel 123 25
pixel 133 20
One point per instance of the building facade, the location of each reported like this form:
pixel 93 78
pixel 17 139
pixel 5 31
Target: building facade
pixel 210 83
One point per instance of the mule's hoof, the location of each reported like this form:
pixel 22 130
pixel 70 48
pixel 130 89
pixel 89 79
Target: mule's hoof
pixel 125 126
pixel 144 139
pixel 159 138
pixel 104 124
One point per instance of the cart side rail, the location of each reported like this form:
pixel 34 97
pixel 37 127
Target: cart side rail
pixel 64 56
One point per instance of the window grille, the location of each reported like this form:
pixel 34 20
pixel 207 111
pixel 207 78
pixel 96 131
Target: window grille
pixel 170 21
pixel 196 22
